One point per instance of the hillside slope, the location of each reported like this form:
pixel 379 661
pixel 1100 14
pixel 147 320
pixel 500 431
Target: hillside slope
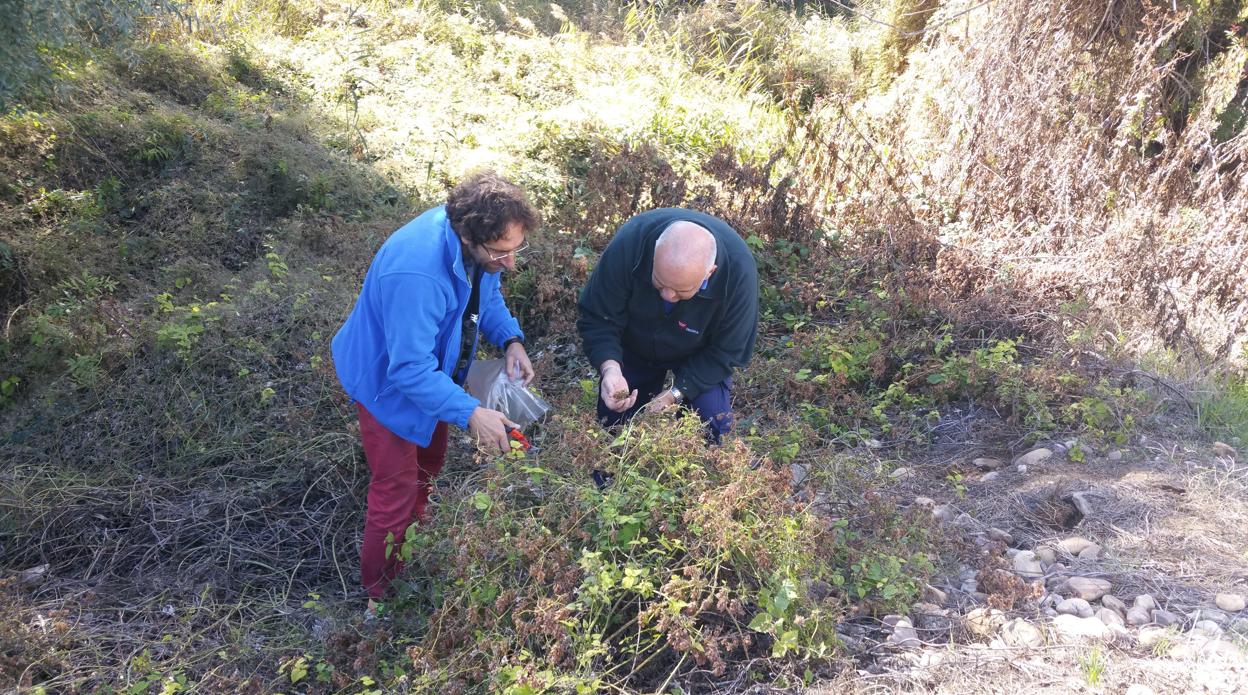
pixel 185 223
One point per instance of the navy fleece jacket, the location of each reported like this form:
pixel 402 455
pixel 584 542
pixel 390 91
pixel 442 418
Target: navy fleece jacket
pixel 703 337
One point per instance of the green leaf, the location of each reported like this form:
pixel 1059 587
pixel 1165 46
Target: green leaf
pixel 298 670
pixel 628 532
pixel 761 623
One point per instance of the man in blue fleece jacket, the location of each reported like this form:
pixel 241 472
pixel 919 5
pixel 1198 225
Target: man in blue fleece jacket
pixel 404 351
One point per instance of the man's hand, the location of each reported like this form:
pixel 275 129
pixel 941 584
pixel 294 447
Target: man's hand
pixel 490 427
pixel 663 402
pixel 518 364
pixel 614 389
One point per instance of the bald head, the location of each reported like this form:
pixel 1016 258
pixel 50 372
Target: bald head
pixel 684 257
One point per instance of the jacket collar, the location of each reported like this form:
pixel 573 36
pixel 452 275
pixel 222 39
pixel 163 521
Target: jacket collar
pixel 454 249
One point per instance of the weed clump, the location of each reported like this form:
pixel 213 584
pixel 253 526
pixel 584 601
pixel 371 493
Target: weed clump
pixel 692 560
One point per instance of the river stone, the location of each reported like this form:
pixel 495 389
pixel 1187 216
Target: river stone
pixel 925 502
pixel 1088 588
pixel 932 618
pixel 1114 603
pixel 1083 503
pixel 1209 614
pixel 799 473
pixel 901 473
pixel 904 635
pixel 1165 618
pixel 1020 633
pixel 1021 468
pixel 1231 603
pixel 1046 555
pixel 987 464
pixel 1033 457
pixel 1152 635
pixel 1027 566
pixel 989 477
pixel 33 576
pixel 1138 616
pixel 984 621
pixel 893 620
pixel 945 513
pixel 1115 455
pixel 1075 606
pixel 1072 626
pixel 1074 545
pixel 1145 601
pixel 1207 627
pixel 940 625
pixel 934 595
pixel 1138 689
pixel 1110 617
pixel 1092 553
pixel 997 534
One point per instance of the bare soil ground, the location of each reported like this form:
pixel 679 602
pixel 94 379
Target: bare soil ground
pixel 1170 514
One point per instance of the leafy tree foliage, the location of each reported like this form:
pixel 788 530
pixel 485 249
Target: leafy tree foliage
pixel 36 34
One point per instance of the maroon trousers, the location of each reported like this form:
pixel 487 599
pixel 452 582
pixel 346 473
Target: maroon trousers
pixel 402 478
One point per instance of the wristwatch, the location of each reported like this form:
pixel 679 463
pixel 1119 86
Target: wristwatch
pixel 513 339
pixel 677 396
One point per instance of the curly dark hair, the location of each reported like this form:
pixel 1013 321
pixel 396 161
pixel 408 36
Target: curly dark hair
pixel 484 204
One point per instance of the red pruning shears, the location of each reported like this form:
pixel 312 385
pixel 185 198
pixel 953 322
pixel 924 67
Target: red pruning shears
pixel 517 436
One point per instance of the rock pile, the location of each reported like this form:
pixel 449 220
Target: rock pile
pixel 1080 605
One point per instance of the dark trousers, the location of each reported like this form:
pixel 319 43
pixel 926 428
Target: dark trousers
pixel 714 405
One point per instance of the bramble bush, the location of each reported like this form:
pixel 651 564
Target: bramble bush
pixel 691 562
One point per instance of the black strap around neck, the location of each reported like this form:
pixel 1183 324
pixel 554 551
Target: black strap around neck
pixel 471 321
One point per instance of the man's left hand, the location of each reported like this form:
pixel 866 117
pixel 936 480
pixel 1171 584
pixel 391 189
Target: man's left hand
pixel 663 402
pixel 518 364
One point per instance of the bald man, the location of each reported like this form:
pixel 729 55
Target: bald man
pixel 675 291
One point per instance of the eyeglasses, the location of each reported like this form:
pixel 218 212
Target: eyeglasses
pixel 514 253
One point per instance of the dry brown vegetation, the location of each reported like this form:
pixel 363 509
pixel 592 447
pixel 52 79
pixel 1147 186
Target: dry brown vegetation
pixel 975 222
pixel 1075 149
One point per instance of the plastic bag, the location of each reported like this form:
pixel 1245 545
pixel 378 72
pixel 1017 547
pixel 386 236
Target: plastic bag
pixel 488 382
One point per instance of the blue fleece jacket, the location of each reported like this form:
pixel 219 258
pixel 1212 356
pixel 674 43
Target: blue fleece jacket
pixel 397 349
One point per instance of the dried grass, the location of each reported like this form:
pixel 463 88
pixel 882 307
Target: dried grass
pixel 1068 148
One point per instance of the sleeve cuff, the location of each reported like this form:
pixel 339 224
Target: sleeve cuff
pixel 596 361
pixel 460 417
